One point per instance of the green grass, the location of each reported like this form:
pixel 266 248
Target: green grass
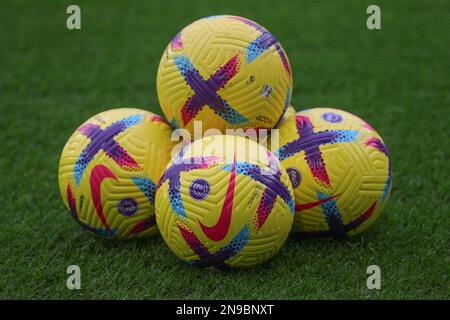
pixel 52 79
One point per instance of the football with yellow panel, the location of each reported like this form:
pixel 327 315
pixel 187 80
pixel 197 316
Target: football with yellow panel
pixel 340 171
pixel 224 201
pixel 226 71
pixel 109 170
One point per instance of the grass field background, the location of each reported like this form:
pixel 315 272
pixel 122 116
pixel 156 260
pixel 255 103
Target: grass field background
pixel 53 79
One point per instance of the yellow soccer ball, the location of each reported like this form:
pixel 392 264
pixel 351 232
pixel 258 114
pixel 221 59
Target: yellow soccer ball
pixel 109 170
pixel 224 201
pixel 227 72
pixel 340 171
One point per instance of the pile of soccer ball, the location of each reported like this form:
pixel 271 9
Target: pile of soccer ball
pixel 225 200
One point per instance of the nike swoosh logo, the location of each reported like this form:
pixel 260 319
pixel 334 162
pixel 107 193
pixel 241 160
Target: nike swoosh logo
pixel 98 174
pixel 309 205
pixel 220 229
